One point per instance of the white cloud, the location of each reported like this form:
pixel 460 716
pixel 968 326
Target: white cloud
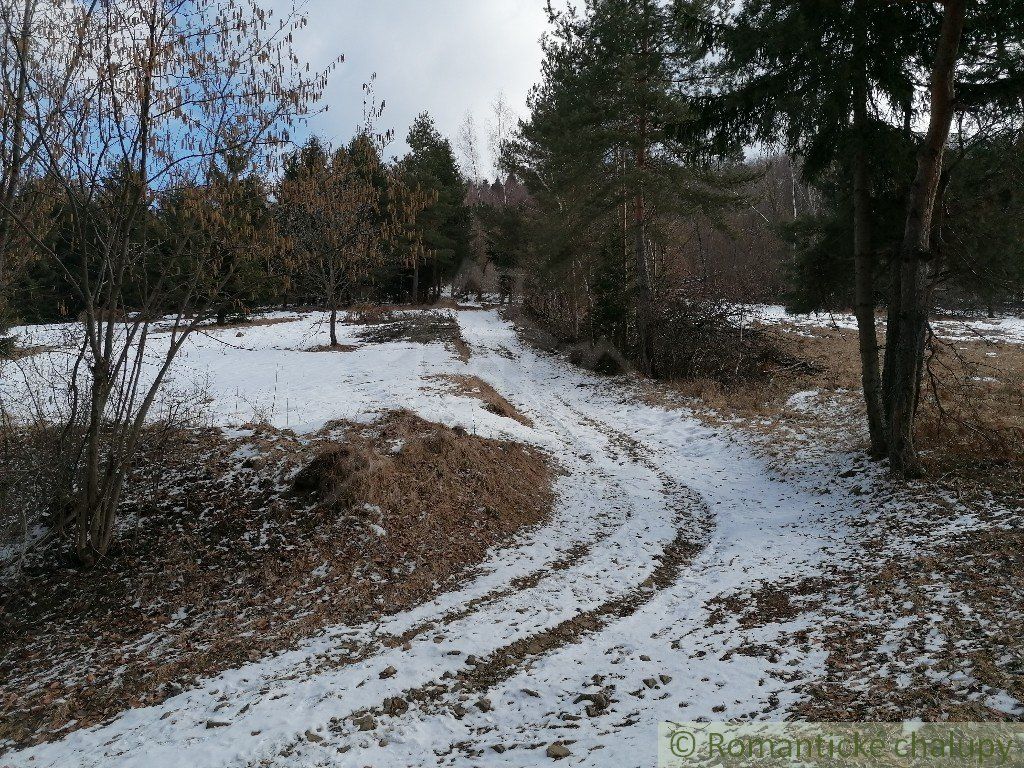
pixel 442 56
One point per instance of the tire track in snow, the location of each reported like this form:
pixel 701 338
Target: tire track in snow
pixel 689 519
pixel 630 468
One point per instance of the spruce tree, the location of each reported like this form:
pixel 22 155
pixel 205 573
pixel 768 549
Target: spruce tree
pixel 445 225
pixel 603 145
pixel 839 84
pixel 820 79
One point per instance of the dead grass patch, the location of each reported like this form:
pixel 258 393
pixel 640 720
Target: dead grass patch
pixel 259 322
pixel 971 419
pixel 928 634
pixel 418 327
pixel 406 468
pixel 376 314
pixel 474 386
pixel 335 348
pixel 972 415
pixel 371 314
pixel 447 303
pixel 236 548
pixel 20 353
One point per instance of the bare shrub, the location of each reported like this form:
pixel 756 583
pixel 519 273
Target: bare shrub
pixel 599 356
pixel 972 407
pixel 146 120
pixel 703 339
pixel 37 497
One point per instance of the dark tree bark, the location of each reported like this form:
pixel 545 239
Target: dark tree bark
pixel 643 290
pixel 334 325
pixel 864 306
pixel 906 355
pixel 435 283
pixel 864 275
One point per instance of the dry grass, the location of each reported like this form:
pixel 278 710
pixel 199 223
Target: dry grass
pixel 833 354
pixel 474 386
pixel 383 326
pixel 447 303
pixel 225 558
pixel 440 483
pixel 335 348
pixel 371 314
pixel 972 406
pixel 257 322
pixel 376 314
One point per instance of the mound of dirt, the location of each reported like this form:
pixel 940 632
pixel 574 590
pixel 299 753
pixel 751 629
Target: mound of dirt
pixel 335 348
pixel 474 386
pixel 434 482
pixel 234 549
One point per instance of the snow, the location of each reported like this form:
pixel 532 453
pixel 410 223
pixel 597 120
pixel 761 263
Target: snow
pixel 1008 329
pixel 802 401
pixel 638 478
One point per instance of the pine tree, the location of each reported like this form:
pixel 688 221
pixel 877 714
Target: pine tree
pixel 837 83
pixel 445 225
pixel 983 223
pixel 239 234
pixel 602 143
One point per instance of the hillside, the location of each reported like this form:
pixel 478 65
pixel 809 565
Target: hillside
pixel 683 570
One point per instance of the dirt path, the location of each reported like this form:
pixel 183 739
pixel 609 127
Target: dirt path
pixel 588 631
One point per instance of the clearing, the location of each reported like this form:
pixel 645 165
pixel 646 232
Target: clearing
pixel 694 564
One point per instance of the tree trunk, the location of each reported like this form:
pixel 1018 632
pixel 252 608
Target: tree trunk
pixel 12 172
pixel 916 255
pixel 892 341
pixel 415 282
pixel 91 512
pixel 334 326
pixel 864 296
pixel 643 290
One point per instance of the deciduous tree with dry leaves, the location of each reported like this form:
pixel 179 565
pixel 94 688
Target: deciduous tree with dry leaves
pixel 136 103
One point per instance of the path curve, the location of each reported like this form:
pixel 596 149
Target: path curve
pixel 657 515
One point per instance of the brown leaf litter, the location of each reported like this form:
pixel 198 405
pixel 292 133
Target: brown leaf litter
pixel 234 548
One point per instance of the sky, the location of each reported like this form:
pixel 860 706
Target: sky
pixel 443 56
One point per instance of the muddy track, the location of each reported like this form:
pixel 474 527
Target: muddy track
pixel 449 693
pixel 692 523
